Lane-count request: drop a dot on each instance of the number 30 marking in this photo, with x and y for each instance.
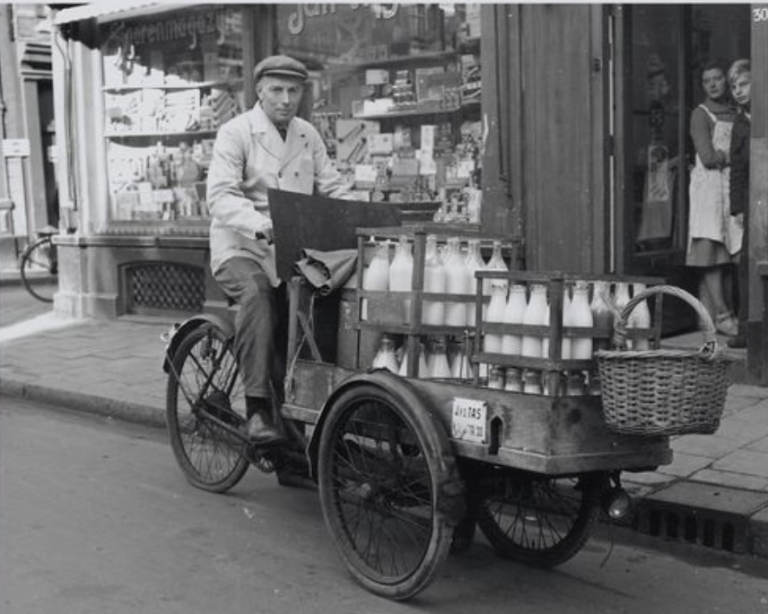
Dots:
(760, 14)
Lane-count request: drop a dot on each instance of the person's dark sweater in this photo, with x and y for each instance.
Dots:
(739, 155)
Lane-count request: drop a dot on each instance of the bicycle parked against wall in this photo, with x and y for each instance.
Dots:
(40, 265)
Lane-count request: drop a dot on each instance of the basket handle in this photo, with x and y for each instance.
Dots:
(708, 349)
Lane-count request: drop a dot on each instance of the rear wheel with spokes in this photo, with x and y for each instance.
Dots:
(539, 520)
(379, 478)
(205, 404)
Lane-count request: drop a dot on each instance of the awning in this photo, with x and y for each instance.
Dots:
(109, 10)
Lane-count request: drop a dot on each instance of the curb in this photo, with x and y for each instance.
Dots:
(723, 520)
(88, 403)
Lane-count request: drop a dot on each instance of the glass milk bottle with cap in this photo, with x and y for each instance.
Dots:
(376, 276)
(620, 301)
(457, 281)
(580, 316)
(514, 313)
(565, 346)
(474, 263)
(385, 358)
(460, 363)
(401, 274)
(492, 341)
(496, 263)
(534, 316)
(422, 371)
(640, 318)
(437, 365)
(602, 315)
(433, 312)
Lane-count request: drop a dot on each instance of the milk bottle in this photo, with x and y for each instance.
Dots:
(376, 276)
(580, 315)
(620, 301)
(602, 315)
(401, 274)
(640, 318)
(437, 366)
(514, 312)
(535, 313)
(422, 370)
(496, 263)
(474, 263)
(433, 312)
(565, 346)
(457, 281)
(385, 358)
(492, 341)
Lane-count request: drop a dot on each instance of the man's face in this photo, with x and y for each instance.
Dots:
(280, 98)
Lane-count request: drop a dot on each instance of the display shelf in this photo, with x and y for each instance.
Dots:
(417, 112)
(173, 86)
(159, 133)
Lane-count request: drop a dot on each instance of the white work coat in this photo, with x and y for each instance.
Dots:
(249, 158)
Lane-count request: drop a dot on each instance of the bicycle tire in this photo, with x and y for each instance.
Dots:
(205, 380)
(378, 482)
(540, 520)
(39, 269)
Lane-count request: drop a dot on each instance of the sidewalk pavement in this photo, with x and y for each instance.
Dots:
(714, 494)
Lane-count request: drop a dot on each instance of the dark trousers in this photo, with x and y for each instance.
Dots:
(260, 326)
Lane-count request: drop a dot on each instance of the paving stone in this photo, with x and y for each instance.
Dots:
(734, 480)
(761, 445)
(741, 432)
(647, 477)
(711, 446)
(713, 497)
(749, 462)
(683, 465)
(744, 390)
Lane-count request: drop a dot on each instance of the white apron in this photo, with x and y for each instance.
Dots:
(710, 211)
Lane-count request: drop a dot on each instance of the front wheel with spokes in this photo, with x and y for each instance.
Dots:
(537, 519)
(379, 481)
(205, 406)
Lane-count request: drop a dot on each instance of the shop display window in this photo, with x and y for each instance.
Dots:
(169, 82)
(396, 94)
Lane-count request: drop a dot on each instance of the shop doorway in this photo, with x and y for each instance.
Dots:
(658, 52)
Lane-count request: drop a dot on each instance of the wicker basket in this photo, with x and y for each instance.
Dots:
(663, 391)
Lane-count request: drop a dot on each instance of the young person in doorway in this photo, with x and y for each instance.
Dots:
(740, 82)
(713, 235)
(265, 147)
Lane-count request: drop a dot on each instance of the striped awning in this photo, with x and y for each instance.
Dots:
(109, 10)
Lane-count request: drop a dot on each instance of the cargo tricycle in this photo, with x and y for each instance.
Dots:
(408, 465)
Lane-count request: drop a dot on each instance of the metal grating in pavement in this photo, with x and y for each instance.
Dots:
(164, 286)
(708, 528)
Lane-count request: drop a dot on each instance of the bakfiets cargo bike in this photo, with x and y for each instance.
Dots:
(408, 464)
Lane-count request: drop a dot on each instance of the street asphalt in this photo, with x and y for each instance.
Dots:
(713, 495)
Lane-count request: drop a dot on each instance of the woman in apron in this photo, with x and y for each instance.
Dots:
(714, 237)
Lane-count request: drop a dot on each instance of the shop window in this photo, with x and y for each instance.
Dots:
(169, 82)
(395, 92)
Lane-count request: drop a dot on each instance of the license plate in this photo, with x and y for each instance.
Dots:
(468, 420)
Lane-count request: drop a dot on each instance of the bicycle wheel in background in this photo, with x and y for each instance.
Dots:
(39, 269)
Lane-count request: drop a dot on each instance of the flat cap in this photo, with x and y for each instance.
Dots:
(280, 66)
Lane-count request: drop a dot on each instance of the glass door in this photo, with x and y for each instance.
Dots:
(658, 54)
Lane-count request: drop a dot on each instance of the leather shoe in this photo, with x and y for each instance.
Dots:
(737, 342)
(260, 432)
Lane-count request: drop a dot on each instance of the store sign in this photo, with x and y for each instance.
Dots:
(298, 19)
(15, 148)
(178, 27)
